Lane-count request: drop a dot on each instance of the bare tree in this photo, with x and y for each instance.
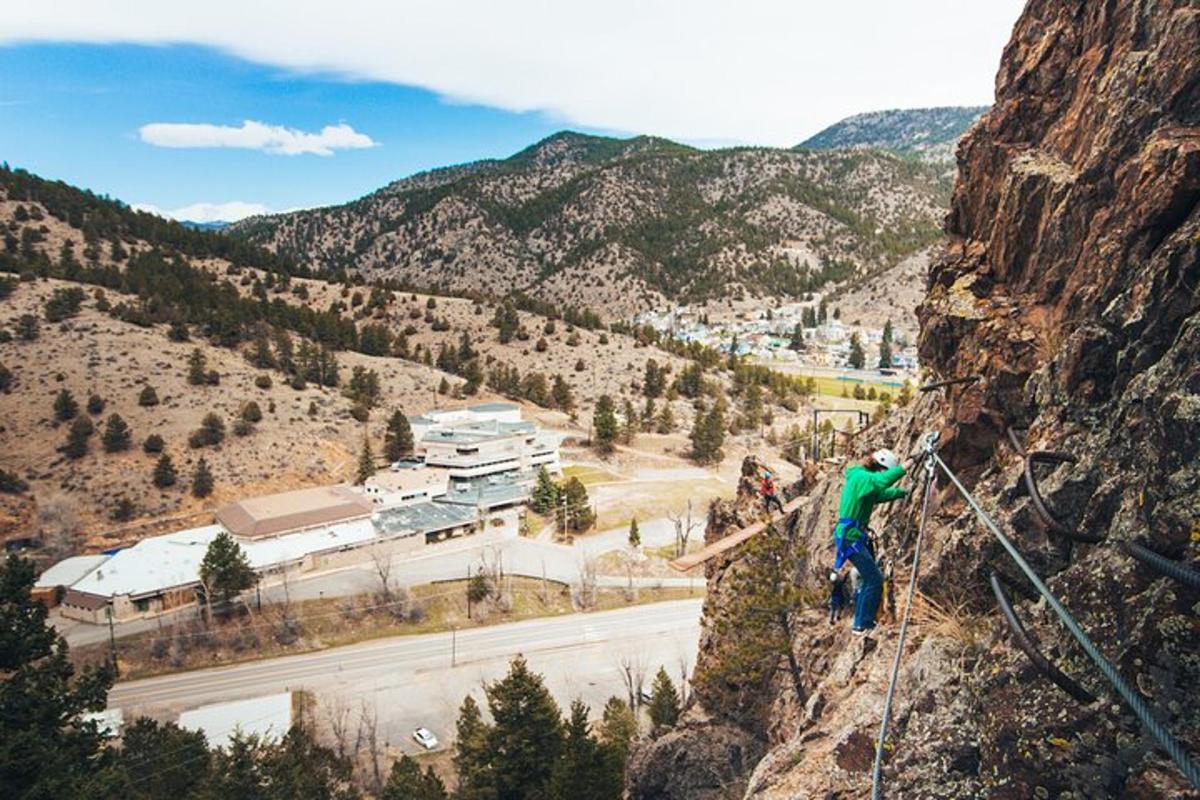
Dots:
(337, 714)
(58, 526)
(584, 592)
(684, 527)
(368, 725)
(633, 674)
(381, 560)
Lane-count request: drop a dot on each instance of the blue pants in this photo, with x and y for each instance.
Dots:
(870, 589)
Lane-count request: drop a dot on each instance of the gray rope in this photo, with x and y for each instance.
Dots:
(877, 775)
(1144, 712)
(1172, 569)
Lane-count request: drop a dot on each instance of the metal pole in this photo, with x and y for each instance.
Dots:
(112, 640)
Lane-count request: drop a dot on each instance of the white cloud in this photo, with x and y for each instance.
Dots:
(253, 135)
(208, 212)
(762, 71)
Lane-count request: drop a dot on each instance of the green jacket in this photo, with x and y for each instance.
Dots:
(864, 490)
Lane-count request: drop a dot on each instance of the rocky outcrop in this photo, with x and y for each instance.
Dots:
(1070, 285)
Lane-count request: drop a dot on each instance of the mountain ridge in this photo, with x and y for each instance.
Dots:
(927, 134)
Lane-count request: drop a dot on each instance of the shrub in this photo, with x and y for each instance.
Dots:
(178, 332)
(77, 438)
(148, 397)
(263, 381)
(10, 483)
(123, 510)
(210, 433)
(153, 444)
(251, 412)
(299, 384)
(64, 303)
(28, 327)
(243, 427)
(95, 403)
(212, 378)
(360, 412)
(6, 379)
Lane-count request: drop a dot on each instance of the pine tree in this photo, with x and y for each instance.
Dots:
(797, 342)
(857, 357)
(366, 462)
(398, 437)
(116, 436)
(148, 397)
(618, 727)
(577, 513)
(472, 756)
(153, 444)
(752, 407)
(164, 472)
(666, 420)
(544, 498)
(225, 571)
(95, 404)
(587, 769)
(65, 406)
(78, 434)
(40, 694)
(664, 702)
(635, 536)
(604, 423)
(630, 428)
(197, 372)
(407, 782)
(260, 349)
(708, 434)
(202, 480)
(756, 632)
(564, 400)
(526, 739)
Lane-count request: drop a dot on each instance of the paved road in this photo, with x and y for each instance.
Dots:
(408, 680)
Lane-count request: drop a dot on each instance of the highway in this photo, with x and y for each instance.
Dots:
(409, 680)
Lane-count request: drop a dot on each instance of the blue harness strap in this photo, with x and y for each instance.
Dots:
(844, 550)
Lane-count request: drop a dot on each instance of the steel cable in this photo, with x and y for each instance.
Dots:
(1140, 707)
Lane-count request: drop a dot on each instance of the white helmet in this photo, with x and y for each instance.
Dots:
(885, 458)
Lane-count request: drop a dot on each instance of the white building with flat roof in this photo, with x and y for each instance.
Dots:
(484, 440)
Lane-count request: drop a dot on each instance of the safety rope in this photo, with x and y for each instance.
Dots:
(1140, 707)
(877, 774)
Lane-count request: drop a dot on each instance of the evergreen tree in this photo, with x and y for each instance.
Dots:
(148, 397)
(197, 368)
(604, 423)
(664, 702)
(116, 436)
(44, 752)
(178, 332)
(654, 380)
(544, 498)
(752, 407)
(95, 404)
(526, 738)
(708, 434)
(472, 757)
(587, 770)
(78, 434)
(210, 433)
(202, 480)
(366, 462)
(285, 354)
(145, 741)
(857, 357)
(6, 379)
(577, 513)
(407, 782)
(885, 354)
(164, 472)
(153, 444)
(635, 536)
(755, 633)
(666, 420)
(225, 571)
(630, 428)
(618, 727)
(260, 348)
(797, 342)
(564, 399)
(65, 406)
(398, 437)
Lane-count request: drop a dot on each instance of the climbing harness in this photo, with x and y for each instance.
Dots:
(928, 443)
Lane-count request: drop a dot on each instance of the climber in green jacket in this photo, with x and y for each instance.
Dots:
(867, 484)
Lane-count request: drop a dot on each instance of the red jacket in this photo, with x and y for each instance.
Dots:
(767, 487)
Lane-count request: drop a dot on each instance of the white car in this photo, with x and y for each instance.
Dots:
(425, 738)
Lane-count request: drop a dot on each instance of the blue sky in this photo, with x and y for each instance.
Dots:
(237, 102)
(74, 111)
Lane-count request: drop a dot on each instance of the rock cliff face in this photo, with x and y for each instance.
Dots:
(1070, 284)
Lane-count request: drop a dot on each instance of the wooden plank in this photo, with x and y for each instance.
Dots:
(725, 543)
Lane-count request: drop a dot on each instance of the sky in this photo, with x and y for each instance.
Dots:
(224, 109)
